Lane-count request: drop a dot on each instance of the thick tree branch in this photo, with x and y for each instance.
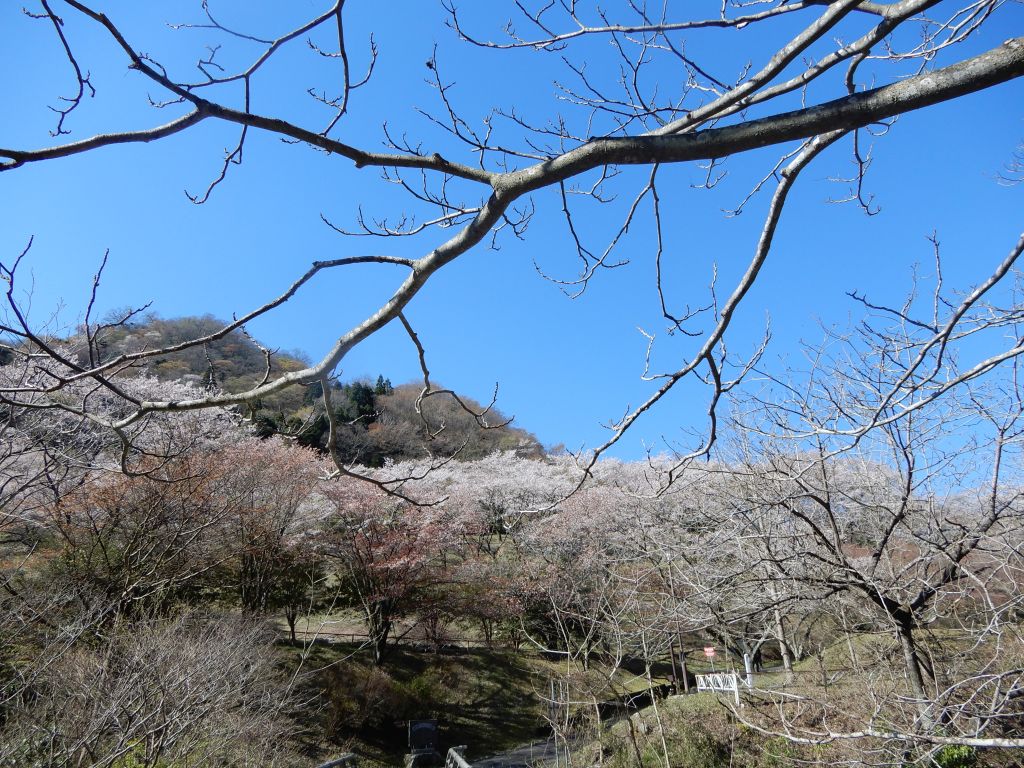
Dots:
(993, 67)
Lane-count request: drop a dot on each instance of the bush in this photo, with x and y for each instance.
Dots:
(956, 756)
(361, 698)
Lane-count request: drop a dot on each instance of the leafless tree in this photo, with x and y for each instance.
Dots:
(892, 482)
(192, 689)
(653, 106)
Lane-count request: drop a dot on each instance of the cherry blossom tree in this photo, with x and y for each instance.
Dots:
(95, 558)
(141, 542)
(270, 485)
(388, 555)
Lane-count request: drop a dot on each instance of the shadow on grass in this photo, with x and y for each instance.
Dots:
(485, 699)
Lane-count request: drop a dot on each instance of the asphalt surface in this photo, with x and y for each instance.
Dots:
(539, 752)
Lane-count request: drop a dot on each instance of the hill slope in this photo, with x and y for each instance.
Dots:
(379, 421)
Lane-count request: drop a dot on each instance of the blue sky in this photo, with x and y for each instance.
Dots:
(564, 366)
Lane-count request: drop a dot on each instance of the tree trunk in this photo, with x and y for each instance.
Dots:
(914, 675)
(378, 624)
(780, 635)
(291, 616)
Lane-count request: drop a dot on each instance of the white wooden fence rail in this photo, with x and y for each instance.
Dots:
(722, 682)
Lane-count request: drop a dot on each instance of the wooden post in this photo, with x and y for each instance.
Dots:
(682, 665)
(672, 656)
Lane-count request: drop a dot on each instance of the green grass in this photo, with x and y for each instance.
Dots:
(699, 733)
(490, 700)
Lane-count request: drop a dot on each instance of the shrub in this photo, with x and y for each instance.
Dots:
(956, 756)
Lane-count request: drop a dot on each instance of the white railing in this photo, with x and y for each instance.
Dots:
(348, 760)
(722, 682)
(455, 759)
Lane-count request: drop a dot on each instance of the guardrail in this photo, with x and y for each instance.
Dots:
(348, 760)
(454, 758)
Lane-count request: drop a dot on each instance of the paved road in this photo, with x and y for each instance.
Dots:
(540, 752)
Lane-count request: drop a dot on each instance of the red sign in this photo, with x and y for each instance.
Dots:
(709, 651)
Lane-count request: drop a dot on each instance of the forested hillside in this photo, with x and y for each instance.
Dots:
(376, 420)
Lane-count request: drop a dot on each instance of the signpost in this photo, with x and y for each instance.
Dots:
(709, 651)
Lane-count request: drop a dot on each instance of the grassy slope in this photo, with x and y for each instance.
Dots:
(701, 732)
(489, 700)
(486, 699)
